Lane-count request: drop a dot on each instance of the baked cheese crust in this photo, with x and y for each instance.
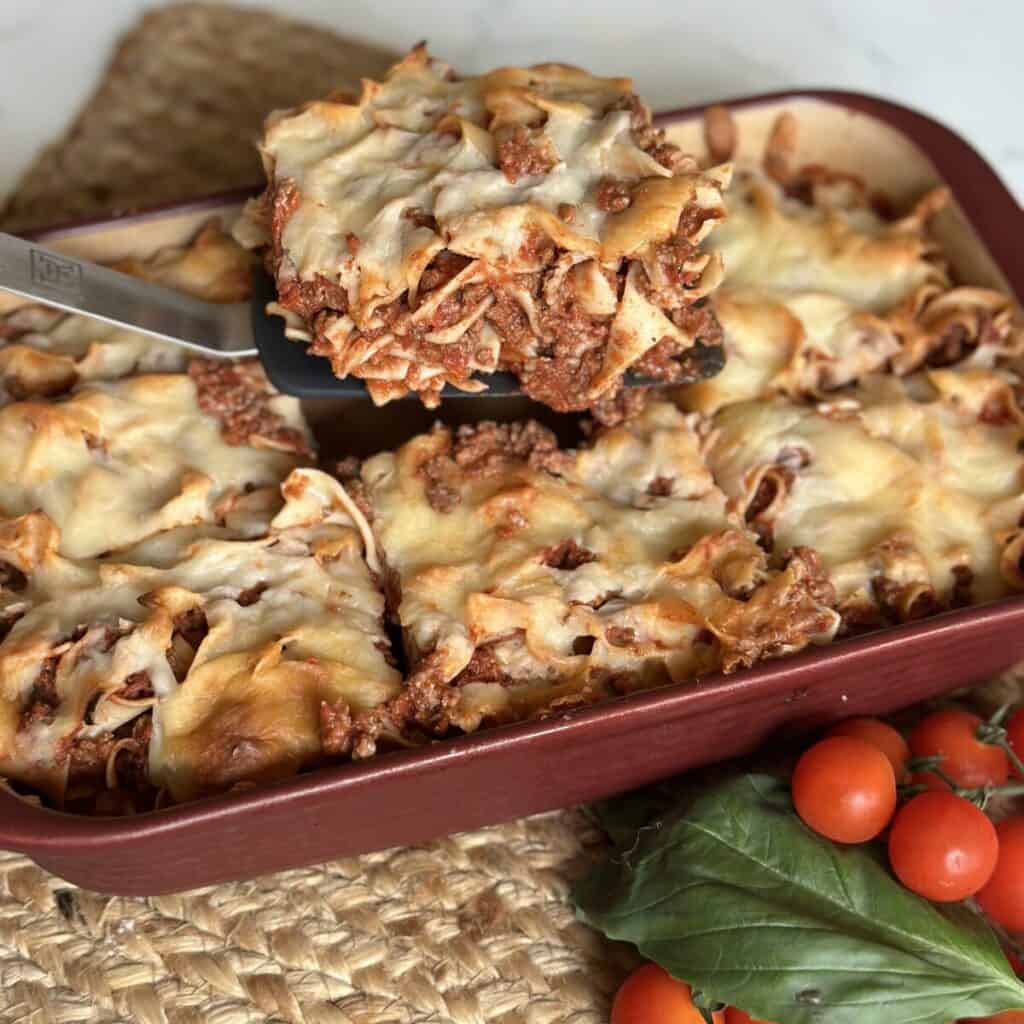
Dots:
(911, 491)
(532, 579)
(820, 288)
(117, 461)
(234, 646)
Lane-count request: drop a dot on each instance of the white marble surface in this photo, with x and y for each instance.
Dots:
(958, 60)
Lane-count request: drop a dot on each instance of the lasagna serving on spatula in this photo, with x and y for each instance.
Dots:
(437, 228)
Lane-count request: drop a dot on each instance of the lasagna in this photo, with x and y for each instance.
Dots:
(529, 579)
(219, 661)
(822, 287)
(436, 227)
(910, 491)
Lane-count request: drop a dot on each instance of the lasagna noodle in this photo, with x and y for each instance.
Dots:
(45, 352)
(235, 645)
(532, 579)
(527, 219)
(909, 494)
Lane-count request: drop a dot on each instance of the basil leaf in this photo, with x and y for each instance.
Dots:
(737, 897)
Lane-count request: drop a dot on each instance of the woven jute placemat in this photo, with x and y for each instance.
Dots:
(471, 929)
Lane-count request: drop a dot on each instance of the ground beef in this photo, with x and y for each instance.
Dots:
(522, 151)
(618, 406)
(251, 594)
(613, 195)
(440, 486)
(645, 135)
(337, 733)
(537, 248)
(568, 555)
(483, 667)
(306, 298)
(133, 760)
(670, 156)
(190, 629)
(43, 699)
(562, 380)
(423, 708)
(484, 448)
(86, 757)
(137, 686)
(444, 266)
(348, 473)
(192, 626)
(239, 398)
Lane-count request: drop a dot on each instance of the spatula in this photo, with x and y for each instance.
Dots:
(228, 331)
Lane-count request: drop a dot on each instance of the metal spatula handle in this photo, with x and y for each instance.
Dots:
(32, 271)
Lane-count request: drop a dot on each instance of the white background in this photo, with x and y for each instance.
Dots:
(959, 60)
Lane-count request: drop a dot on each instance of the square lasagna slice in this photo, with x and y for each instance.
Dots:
(821, 287)
(529, 219)
(528, 578)
(909, 490)
(117, 461)
(231, 662)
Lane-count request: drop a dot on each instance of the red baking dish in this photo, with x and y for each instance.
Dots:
(414, 795)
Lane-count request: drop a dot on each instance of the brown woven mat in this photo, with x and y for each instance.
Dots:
(471, 929)
(179, 109)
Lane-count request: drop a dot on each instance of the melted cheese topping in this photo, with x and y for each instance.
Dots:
(119, 461)
(582, 584)
(244, 704)
(905, 492)
(370, 192)
(788, 246)
(46, 352)
(817, 295)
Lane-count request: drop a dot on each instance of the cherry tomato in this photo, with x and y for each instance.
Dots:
(1003, 896)
(1015, 733)
(650, 995)
(878, 734)
(951, 735)
(844, 788)
(734, 1015)
(942, 847)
